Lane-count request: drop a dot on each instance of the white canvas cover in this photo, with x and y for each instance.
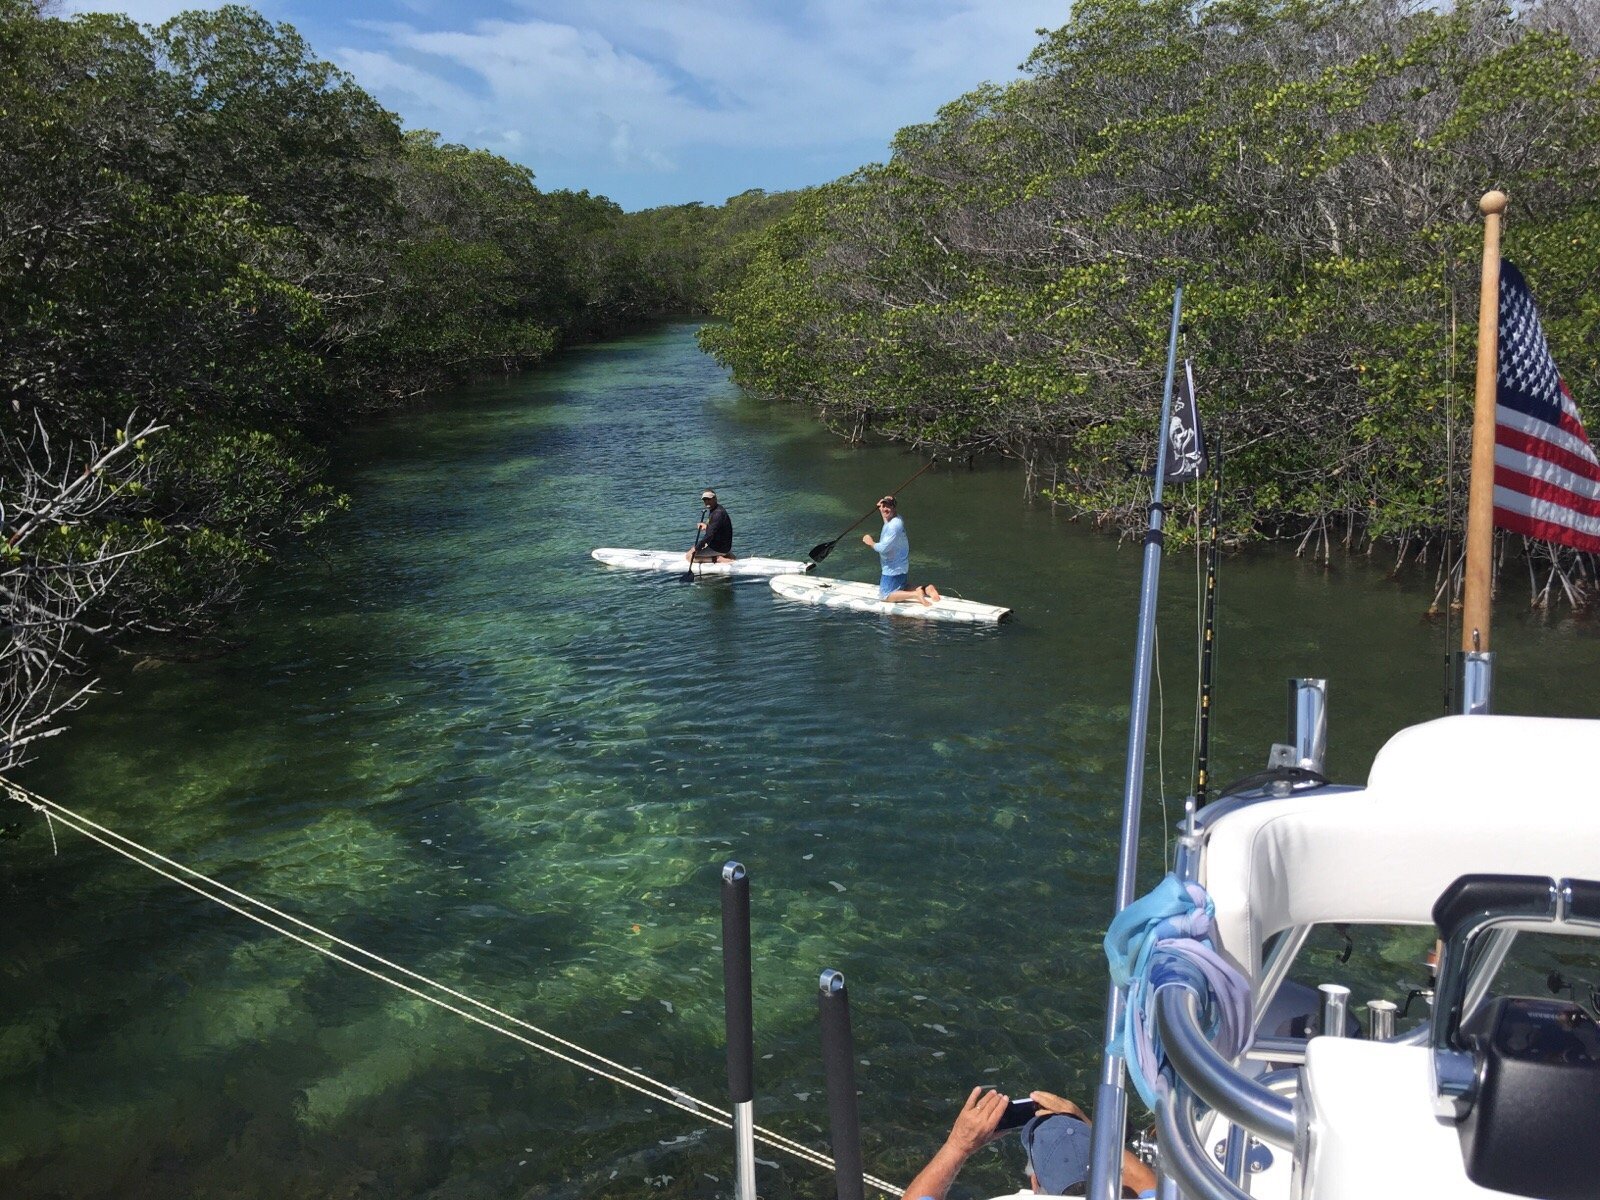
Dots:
(1511, 795)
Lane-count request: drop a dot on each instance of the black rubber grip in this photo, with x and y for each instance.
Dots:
(838, 1057)
(1585, 899)
(737, 1005)
(1473, 895)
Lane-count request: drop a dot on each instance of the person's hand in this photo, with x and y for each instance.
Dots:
(975, 1124)
(701, 526)
(866, 540)
(1049, 1102)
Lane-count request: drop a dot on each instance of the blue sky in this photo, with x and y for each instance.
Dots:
(664, 101)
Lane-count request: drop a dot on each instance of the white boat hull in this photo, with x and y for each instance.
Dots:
(673, 560)
(863, 597)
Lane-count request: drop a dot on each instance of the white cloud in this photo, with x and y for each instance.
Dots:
(649, 80)
(625, 155)
(742, 89)
(411, 90)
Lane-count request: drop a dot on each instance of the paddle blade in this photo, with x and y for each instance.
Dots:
(820, 551)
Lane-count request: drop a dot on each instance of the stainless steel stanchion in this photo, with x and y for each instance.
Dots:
(739, 1011)
(839, 1058)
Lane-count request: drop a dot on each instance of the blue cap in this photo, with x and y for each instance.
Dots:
(1058, 1151)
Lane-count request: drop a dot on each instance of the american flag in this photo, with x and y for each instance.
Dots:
(1546, 478)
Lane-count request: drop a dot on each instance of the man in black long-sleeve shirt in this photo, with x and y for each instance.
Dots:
(715, 543)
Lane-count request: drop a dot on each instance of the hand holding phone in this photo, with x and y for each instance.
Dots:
(1016, 1114)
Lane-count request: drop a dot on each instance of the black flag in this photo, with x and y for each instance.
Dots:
(1186, 446)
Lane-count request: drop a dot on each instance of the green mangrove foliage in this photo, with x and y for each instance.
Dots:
(1310, 168)
(215, 249)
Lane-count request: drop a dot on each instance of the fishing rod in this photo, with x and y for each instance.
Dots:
(1111, 1097)
(822, 549)
(1208, 640)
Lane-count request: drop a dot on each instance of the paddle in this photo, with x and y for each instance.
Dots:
(822, 549)
(688, 576)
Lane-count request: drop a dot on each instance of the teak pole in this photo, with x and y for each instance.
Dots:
(1478, 573)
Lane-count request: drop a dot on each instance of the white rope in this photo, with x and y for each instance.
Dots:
(597, 1064)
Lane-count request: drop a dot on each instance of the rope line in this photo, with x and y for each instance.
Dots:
(596, 1064)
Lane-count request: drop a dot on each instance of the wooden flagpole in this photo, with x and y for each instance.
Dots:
(1479, 571)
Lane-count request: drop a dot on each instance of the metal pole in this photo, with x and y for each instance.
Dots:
(1380, 1019)
(1475, 685)
(739, 1011)
(1111, 1099)
(1335, 1004)
(1308, 722)
(839, 1059)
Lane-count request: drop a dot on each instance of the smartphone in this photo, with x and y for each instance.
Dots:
(1016, 1114)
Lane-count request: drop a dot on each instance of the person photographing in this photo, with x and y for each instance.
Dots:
(1055, 1139)
(894, 552)
(715, 543)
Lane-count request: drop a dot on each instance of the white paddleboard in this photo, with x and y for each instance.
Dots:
(863, 597)
(673, 560)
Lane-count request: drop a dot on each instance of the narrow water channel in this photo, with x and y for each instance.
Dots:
(451, 737)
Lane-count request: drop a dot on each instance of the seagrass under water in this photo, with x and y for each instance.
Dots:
(453, 738)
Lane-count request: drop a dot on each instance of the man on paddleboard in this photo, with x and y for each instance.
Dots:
(895, 551)
(716, 533)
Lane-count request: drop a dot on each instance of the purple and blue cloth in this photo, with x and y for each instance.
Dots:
(1162, 938)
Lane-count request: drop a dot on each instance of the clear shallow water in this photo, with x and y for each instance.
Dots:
(451, 737)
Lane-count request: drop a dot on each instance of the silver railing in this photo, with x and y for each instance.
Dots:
(1213, 1078)
(1249, 1105)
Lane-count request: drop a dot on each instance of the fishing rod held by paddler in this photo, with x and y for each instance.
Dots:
(822, 549)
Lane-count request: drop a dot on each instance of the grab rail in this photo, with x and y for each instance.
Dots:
(1182, 1156)
(1212, 1077)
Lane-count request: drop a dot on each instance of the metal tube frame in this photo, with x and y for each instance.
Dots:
(1274, 971)
(1183, 1158)
(1213, 1078)
(744, 1135)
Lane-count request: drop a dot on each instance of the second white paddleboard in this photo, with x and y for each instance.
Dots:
(863, 597)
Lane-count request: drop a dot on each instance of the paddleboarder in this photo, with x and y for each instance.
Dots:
(715, 543)
(894, 549)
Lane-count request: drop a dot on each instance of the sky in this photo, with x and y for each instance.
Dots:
(663, 101)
